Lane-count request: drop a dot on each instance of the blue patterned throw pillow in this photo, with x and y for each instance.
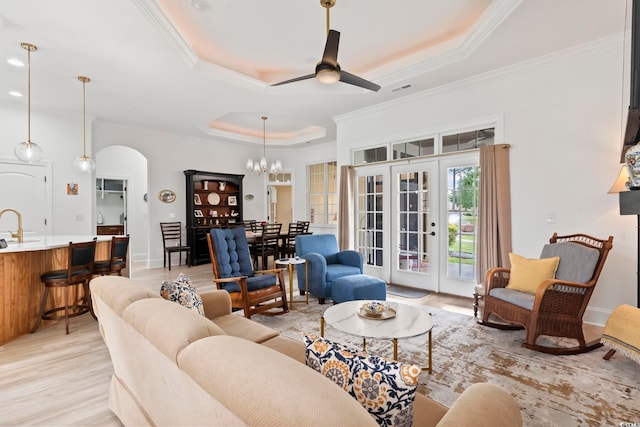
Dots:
(386, 389)
(181, 291)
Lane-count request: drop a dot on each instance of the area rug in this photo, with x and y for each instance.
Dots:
(406, 292)
(580, 390)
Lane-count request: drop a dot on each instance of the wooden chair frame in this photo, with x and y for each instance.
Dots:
(172, 231)
(557, 310)
(117, 260)
(252, 302)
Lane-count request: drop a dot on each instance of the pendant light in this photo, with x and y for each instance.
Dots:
(28, 151)
(84, 163)
(261, 166)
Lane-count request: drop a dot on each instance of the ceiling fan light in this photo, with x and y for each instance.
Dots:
(28, 152)
(327, 76)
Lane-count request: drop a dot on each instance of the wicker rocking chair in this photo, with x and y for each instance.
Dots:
(557, 307)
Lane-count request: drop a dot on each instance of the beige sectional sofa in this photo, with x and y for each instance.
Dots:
(173, 366)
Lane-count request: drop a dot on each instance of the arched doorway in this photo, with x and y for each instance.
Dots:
(118, 162)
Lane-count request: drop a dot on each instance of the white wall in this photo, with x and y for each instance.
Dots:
(168, 155)
(562, 117)
(119, 162)
(60, 137)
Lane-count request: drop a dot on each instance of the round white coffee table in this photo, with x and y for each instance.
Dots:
(408, 322)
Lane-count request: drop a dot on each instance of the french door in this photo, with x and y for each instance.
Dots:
(414, 225)
(417, 222)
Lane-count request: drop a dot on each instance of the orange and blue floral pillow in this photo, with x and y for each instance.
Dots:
(181, 291)
(386, 389)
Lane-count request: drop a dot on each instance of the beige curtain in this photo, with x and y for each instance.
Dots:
(346, 208)
(494, 209)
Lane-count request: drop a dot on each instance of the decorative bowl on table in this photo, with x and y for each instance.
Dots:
(376, 310)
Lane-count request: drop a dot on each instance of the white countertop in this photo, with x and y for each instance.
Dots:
(39, 243)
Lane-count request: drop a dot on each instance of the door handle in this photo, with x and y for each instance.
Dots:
(433, 233)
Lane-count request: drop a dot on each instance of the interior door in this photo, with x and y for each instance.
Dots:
(24, 187)
(415, 237)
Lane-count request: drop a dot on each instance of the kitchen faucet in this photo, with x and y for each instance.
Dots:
(18, 234)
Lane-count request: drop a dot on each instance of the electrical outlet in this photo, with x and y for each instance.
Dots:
(551, 218)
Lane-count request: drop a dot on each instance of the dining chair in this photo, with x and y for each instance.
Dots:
(172, 242)
(267, 245)
(288, 242)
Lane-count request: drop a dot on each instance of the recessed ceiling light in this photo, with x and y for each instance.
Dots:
(200, 5)
(15, 93)
(15, 62)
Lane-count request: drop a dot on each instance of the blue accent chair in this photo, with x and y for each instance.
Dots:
(252, 291)
(326, 263)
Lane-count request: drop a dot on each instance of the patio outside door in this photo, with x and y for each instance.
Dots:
(415, 225)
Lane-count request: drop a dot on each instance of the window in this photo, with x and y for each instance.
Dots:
(403, 150)
(323, 193)
(370, 155)
(467, 140)
(462, 194)
(370, 219)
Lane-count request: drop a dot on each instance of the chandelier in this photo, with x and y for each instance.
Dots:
(259, 167)
(28, 151)
(84, 163)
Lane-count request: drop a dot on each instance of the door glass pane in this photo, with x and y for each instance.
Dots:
(370, 219)
(413, 221)
(462, 195)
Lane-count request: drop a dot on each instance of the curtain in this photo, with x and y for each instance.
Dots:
(346, 208)
(494, 210)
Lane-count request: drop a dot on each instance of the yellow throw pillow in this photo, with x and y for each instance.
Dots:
(527, 274)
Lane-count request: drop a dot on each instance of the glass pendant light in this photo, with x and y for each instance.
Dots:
(28, 151)
(84, 163)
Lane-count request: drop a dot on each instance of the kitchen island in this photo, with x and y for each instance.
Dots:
(21, 265)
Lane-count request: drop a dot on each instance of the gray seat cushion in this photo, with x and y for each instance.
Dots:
(577, 262)
(521, 299)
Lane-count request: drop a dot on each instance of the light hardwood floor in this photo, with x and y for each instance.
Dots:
(49, 378)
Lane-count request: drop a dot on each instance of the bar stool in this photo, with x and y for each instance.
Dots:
(118, 259)
(79, 271)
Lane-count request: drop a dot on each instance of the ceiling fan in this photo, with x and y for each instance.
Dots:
(328, 70)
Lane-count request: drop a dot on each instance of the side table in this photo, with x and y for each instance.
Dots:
(290, 262)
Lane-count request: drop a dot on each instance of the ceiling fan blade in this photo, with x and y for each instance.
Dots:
(297, 79)
(358, 81)
(330, 55)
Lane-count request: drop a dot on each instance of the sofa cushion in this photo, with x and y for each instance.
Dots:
(527, 274)
(119, 291)
(577, 262)
(183, 293)
(156, 319)
(266, 388)
(241, 327)
(386, 389)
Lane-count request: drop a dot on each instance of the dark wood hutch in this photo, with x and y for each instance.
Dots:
(213, 200)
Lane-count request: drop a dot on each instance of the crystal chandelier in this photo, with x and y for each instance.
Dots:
(84, 163)
(28, 151)
(260, 167)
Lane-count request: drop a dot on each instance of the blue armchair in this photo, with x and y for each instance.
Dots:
(325, 262)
